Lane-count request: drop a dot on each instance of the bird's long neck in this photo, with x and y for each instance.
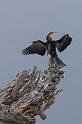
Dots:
(49, 42)
(49, 38)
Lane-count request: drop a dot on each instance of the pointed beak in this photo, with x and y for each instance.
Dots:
(54, 32)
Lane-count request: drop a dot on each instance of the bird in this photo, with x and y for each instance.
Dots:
(50, 46)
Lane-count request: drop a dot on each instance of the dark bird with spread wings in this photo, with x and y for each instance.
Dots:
(39, 47)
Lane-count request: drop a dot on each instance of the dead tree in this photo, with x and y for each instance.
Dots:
(30, 94)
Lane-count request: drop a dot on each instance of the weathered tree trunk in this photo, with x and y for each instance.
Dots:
(30, 94)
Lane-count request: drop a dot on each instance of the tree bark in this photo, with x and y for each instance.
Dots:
(30, 94)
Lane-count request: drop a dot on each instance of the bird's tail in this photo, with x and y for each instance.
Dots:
(58, 61)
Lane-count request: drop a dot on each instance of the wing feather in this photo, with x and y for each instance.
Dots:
(63, 43)
(38, 47)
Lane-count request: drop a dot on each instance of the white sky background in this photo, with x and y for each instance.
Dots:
(23, 21)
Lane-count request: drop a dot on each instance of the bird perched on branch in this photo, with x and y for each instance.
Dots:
(39, 47)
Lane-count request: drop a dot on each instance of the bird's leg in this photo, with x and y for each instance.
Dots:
(47, 52)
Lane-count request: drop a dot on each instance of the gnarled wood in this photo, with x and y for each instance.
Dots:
(30, 94)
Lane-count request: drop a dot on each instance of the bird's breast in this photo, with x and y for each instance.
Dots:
(51, 49)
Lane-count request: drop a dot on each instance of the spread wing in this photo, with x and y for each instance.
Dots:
(38, 47)
(63, 43)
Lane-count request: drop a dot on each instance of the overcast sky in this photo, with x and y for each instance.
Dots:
(21, 22)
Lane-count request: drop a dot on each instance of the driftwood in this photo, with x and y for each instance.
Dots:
(30, 94)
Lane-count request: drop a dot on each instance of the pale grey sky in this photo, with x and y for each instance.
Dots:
(23, 21)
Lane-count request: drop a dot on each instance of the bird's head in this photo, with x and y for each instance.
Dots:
(49, 36)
